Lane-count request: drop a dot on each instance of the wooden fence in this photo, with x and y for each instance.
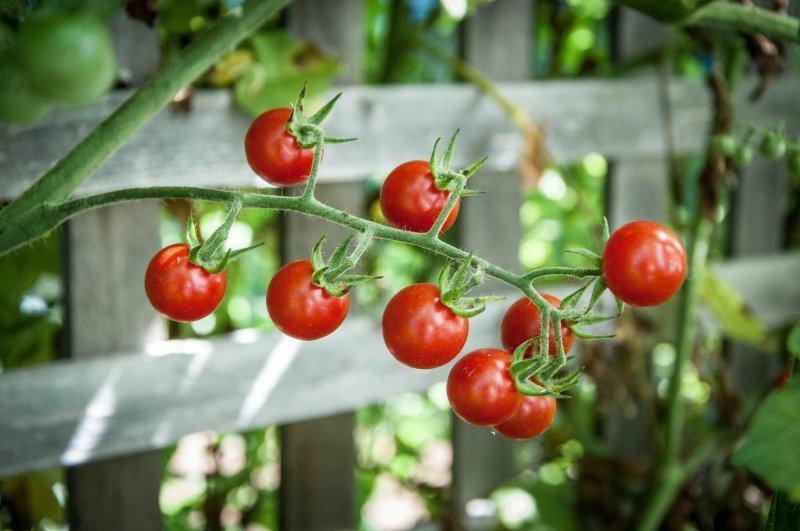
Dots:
(126, 393)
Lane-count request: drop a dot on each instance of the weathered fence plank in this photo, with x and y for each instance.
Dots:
(204, 147)
(481, 460)
(318, 456)
(105, 313)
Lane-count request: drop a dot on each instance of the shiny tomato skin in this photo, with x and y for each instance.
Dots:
(480, 388)
(410, 200)
(420, 331)
(180, 289)
(523, 321)
(301, 309)
(273, 153)
(534, 416)
(644, 263)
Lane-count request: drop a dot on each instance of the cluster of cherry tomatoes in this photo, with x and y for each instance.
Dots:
(643, 264)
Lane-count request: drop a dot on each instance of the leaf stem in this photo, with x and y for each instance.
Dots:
(669, 473)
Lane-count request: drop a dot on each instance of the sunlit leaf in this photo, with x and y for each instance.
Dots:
(769, 449)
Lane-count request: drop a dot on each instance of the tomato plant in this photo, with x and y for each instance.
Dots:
(534, 416)
(644, 263)
(180, 289)
(410, 199)
(67, 57)
(523, 321)
(300, 308)
(420, 331)
(480, 388)
(273, 153)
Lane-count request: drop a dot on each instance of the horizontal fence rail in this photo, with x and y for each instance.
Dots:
(205, 147)
(71, 412)
(618, 118)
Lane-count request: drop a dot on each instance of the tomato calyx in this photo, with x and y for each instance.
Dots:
(308, 130)
(334, 276)
(535, 375)
(211, 255)
(445, 178)
(455, 282)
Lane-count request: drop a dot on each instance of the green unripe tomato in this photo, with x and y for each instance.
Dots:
(67, 58)
(18, 103)
(773, 145)
(725, 144)
(743, 156)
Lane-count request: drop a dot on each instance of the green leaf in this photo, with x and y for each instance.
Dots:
(793, 341)
(282, 64)
(732, 312)
(769, 448)
(783, 513)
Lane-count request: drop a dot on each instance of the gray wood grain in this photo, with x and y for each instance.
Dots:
(147, 398)
(107, 311)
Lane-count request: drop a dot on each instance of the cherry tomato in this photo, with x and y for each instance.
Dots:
(534, 416)
(18, 104)
(523, 321)
(273, 153)
(644, 263)
(180, 289)
(67, 57)
(301, 309)
(410, 200)
(420, 331)
(480, 388)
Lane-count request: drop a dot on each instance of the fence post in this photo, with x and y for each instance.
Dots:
(318, 456)
(105, 253)
(498, 42)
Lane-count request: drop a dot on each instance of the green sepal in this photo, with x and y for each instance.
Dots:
(454, 283)
(606, 234)
(317, 262)
(444, 177)
(592, 319)
(211, 255)
(466, 192)
(594, 258)
(571, 301)
(333, 276)
(586, 335)
(597, 292)
(308, 131)
(191, 233)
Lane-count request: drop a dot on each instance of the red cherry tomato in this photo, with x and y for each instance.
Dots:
(180, 289)
(301, 309)
(533, 417)
(273, 153)
(480, 388)
(420, 331)
(644, 263)
(523, 321)
(410, 200)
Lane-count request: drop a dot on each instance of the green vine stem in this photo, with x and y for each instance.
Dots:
(58, 184)
(670, 473)
(749, 19)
